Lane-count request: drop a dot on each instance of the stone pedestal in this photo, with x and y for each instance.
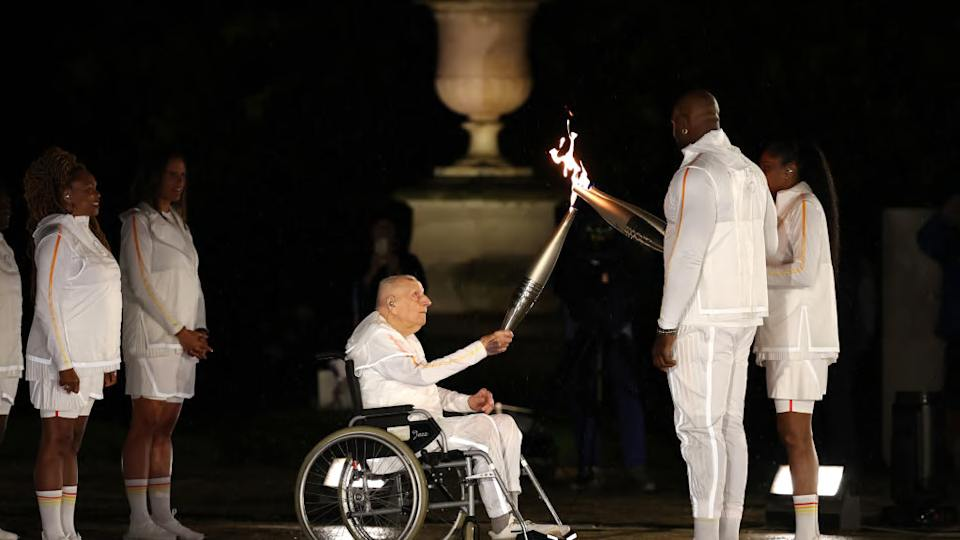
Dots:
(476, 242)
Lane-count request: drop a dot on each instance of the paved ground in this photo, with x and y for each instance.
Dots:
(239, 486)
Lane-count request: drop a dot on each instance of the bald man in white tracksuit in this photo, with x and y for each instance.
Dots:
(721, 222)
(393, 370)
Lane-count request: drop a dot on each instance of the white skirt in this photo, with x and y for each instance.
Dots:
(167, 378)
(797, 379)
(47, 394)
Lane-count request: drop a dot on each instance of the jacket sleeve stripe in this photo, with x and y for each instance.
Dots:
(683, 198)
(58, 336)
(146, 281)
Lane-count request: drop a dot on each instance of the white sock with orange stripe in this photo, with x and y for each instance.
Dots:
(50, 503)
(806, 512)
(160, 499)
(67, 507)
(137, 498)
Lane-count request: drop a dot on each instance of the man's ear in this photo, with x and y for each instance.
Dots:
(392, 301)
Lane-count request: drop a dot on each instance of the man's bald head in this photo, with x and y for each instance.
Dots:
(393, 287)
(695, 114)
(403, 303)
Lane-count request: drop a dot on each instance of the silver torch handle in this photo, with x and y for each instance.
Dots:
(536, 279)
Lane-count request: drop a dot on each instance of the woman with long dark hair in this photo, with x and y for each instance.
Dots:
(73, 350)
(164, 336)
(799, 339)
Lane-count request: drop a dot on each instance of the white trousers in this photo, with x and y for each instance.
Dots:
(498, 436)
(708, 385)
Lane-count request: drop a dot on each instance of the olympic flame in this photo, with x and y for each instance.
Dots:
(573, 168)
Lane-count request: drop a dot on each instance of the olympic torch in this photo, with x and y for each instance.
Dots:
(536, 279)
(635, 223)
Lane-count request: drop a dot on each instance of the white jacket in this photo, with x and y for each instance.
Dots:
(161, 284)
(721, 223)
(76, 318)
(803, 303)
(393, 369)
(11, 311)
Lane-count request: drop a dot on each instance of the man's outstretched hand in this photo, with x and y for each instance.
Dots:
(497, 342)
(482, 401)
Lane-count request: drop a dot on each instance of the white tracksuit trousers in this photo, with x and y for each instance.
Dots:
(708, 385)
(498, 436)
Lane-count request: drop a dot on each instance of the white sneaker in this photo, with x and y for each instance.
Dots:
(148, 530)
(513, 529)
(74, 536)
(6, 535)
(179, 530)
(43, 536)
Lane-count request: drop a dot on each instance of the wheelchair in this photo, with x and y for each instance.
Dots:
(380, 478)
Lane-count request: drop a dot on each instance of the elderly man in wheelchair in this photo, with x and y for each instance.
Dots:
(378, 477)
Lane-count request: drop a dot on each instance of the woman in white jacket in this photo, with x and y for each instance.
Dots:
(73, 350)
(799, 339)
(164, 335)
(11, 309)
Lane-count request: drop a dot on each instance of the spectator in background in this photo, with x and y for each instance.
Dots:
(389, 255)
(940, 239)
(598, 290)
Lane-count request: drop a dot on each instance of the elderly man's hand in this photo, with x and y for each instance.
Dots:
(497, 342)
(663, 352)
(482, 401)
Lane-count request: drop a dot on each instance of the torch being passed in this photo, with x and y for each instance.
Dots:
(635, 223)
(538, 275)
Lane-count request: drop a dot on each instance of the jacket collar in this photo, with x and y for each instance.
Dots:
(785, 196)
(169, 230)
(712, 141)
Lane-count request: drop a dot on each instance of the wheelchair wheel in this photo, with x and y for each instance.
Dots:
(361, 482)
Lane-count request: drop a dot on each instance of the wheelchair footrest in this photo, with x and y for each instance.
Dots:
(540, 536)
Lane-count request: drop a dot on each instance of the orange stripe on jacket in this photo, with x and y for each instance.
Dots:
(683, 198)
(146, 281)
(58, 337)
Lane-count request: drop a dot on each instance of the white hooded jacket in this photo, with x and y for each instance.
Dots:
(161, 283)
(11, 312)
(721, 224)
(76, 320)
(803, 305)
(393, 369)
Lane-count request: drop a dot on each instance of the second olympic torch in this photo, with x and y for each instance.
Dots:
(536, 279)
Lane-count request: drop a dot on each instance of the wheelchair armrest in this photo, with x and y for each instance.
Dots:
(384, 411)
(383, 416)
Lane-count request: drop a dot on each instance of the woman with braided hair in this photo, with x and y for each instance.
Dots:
(73, 349)
(164, 337)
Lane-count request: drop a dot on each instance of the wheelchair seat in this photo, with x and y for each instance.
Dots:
(418, 433)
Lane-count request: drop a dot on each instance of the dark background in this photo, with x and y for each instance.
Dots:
(297, 121)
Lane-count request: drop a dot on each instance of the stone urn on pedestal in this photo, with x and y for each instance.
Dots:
(483, 72)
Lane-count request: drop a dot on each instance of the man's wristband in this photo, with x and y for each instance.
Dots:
(665, 332)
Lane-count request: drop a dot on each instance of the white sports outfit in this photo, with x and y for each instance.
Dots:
(393, 370)
(11, 311)
(800, 338)
(721, 224)
(161, 296)
(77, 314)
